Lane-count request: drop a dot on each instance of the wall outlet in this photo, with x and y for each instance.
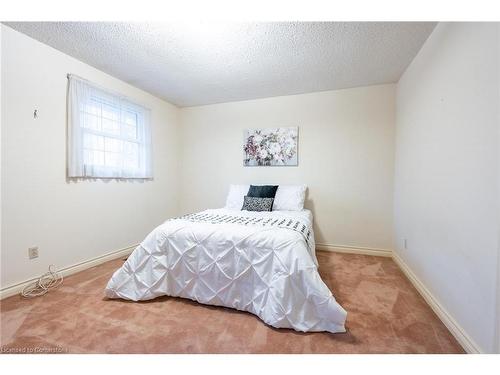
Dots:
(33, 252)
(405, 244)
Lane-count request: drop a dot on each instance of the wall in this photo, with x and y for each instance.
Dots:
(346, 157)
(1, 127)
(498, 205)
(70, 222)
(446, 175)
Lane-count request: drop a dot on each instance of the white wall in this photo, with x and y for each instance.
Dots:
(498, 204)
(346, 157)
(446, 176)
(1, 127)
(70, 222)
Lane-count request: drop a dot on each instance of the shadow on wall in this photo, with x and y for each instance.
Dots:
(309, 204)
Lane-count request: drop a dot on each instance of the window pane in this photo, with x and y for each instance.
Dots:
(112, 159)
(113, 145)
(92, 141)
(131, 149)
(130, 162)
(110, 112)
(130, 131)
(92, 157)
(110, 127)
(130, 118)
(91, 121)
(93, 108)
(87, 157)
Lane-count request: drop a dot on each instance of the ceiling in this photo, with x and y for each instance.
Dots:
(200, 63)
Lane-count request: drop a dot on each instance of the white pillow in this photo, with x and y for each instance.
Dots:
(289, 198)
(234, 200)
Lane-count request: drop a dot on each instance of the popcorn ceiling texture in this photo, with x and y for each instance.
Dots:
(203, 63)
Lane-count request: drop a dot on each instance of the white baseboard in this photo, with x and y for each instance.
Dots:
(17, 288)
(456, 330)
(354, 250)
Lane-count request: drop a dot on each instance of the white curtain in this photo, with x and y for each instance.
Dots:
(108, 135)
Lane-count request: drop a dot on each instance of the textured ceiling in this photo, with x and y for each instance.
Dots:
(202, 63)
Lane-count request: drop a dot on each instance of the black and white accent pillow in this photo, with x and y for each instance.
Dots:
(257, 204)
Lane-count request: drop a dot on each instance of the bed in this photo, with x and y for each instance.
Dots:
(260, 262)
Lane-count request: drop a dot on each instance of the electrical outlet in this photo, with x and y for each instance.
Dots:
(33, 252)
(405, 244)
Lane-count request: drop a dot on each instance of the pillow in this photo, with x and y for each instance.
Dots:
(234, 200)
(262, 191)
(257, 204)
(290, 198)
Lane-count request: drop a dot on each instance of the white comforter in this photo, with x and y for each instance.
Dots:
(267, 270)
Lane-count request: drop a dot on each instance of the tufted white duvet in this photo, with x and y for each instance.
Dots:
(260, 262)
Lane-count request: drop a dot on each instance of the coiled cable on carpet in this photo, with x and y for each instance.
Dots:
(43, 284)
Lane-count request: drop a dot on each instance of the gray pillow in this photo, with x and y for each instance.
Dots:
(257, 204)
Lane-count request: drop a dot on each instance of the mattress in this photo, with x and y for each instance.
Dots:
(260, 262)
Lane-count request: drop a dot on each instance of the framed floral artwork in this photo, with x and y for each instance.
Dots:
(271, 147)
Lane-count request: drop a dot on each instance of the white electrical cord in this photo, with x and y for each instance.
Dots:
(47, 281)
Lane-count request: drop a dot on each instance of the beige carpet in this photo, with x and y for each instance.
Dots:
(385, 315)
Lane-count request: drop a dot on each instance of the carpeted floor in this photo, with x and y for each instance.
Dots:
(385, 315)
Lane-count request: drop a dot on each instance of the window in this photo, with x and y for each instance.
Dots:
(108, 135)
